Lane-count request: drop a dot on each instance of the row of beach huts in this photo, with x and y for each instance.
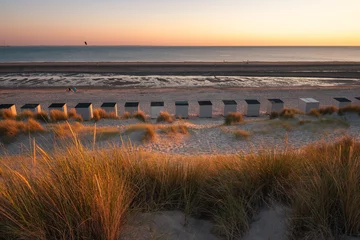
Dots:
(252, 107)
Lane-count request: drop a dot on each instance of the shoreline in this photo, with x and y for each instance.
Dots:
(329, 69)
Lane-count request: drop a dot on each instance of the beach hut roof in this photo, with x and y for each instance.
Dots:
(252, 101)
(131, 104)
(342, 99)
(30, 105)
(83, 105)
(309, 100)
(157, 104)
(181, 103)
(229, 102)
(4, 106)
(204, 103)
(108, 104)
(57, 105)
(276, 100)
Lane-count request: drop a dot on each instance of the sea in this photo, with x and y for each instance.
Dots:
(174, 54)
(168, 54)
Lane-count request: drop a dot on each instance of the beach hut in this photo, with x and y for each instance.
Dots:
(252, 108)
(357, 100)
(205, 109)
(85, 110)
(10, 107)
(275, 105)
(341, 102)
(182, 109)
(58, 106)
(306, 104)
(132, 107)
(156, 108)
(110, 107)
(229, 106)
(33, 107)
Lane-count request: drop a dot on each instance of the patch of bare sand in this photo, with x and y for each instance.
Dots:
(168, 225)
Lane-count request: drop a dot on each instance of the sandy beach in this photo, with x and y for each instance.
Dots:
(275, 69)
(207, 136)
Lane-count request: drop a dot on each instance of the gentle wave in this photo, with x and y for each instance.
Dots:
(124, 81)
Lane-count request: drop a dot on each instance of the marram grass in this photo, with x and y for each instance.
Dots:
(84, 194)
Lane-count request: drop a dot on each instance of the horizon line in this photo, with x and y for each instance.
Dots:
(129, 45)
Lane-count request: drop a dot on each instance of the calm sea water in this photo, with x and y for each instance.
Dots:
(175, 54)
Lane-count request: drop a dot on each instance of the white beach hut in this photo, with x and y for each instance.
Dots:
(306, 104)
(131, 107)
(205, 109)
(156, 108)
(110, 107)
(182, 109)
(275, 105)
(10, 107)
(85, 110)
(229, 106)
(58, 106)
(252, 108)
(341, 102)
(33, 107)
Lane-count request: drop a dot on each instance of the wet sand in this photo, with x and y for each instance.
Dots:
(275, 69)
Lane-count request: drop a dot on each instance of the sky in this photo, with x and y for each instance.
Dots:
(181, 22)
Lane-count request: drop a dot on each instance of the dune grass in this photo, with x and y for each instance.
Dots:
(349, 109)
(100, 113)
(11, 128)
(286, 113)
(318, 112)
(148, 129)
(84, 194)
(174, 129)
(233, 118)
(75, 116)
(57, 115)
(165, 117)
(241, 134)
(140, 115)
(7, 114)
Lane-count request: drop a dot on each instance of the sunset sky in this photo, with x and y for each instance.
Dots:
(181, 22)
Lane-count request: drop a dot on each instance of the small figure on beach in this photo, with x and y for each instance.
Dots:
(71, 89)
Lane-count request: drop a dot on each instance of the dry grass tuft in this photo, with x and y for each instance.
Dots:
(57, 115)
(42, 116)
(126, 115)
(174, 129)
(322, 111)
(100, 113)
(149, 130)
(274, 115)
(349, 109)
(288, 113)
(7, 114)
(140, 115)
(25, 115)
(233, 118)
(66, 129)
(73, 115)
(165, 117)
(11, 128)
(241, 134)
